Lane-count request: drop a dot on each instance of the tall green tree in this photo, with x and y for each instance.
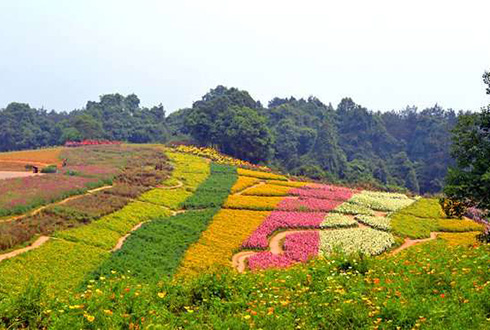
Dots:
(469, 180)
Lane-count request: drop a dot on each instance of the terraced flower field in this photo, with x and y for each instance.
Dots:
(173, 215)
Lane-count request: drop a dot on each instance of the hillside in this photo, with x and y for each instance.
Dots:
(131, 236)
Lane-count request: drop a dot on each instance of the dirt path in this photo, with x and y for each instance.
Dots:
(248, 188)
(40, 241)
(16, 174)
(411, 242)
(120, 241)
(238, 260)
(66, 200)
(178, 185)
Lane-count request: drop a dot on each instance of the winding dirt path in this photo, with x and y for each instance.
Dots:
(238, 260)
(238, 193)
(121, 240)
(37, 243)
(178, 185)
(66, 200)
(411, 242)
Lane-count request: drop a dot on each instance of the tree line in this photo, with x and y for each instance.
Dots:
(406, 149)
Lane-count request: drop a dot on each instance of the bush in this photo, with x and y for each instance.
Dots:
(453, 208)
(50, 169)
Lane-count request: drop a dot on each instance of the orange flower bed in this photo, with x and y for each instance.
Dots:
(258, 203)
(244, 182)
(225, 234)
(41, 157)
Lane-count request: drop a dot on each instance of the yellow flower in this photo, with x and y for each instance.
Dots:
(162, 294)
(89, 318)
(108, 311)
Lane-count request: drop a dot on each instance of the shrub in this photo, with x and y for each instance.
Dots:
(49, 169)
(453, 208)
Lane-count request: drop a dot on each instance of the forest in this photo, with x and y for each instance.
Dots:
(405, 149)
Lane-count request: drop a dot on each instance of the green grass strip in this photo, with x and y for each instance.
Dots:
(213, 191)
(157, 248)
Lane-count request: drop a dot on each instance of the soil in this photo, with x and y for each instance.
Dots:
(411, 242)
(15, 174)
(40, 241)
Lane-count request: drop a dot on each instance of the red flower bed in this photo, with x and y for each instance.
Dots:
(89, 143)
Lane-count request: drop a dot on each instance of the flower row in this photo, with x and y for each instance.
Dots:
(381, 223)
(217, 157)
(261, 175)
(380, 203)
(354, 240)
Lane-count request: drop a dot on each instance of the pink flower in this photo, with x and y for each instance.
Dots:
(298, 247)
(282, 220)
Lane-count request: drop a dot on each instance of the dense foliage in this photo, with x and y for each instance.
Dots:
(469, 180)
(406, 149)
(403, 149)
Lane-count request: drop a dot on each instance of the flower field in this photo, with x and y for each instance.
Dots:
(163, 244)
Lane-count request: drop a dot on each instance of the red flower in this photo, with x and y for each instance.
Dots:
(442, 295)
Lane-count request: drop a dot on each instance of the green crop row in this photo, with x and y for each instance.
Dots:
(156, 249)
(213, 191)
(105, 232)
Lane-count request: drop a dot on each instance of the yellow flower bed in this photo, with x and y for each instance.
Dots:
(261, 175)
(243, 182)
(465, 239)
(259, 203)
(225, 234)
(217, 157)
(292, 184)
(268, 190)
(189, 169)
(458, 225)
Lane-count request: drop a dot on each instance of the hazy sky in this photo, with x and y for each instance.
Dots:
(384, 54)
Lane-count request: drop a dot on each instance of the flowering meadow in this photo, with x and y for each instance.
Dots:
(164, 243)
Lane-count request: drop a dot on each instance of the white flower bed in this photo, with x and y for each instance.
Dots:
(381, 223)
(352, 240)
(380, 203)
(335, 220)
(355, 209)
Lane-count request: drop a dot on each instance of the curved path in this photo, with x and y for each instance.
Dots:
(121, 240)
(66, 200)
(411, 242)
(238, 193)
(178, 185)
(37, 243)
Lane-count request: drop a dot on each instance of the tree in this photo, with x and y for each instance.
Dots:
(326, 152)
(486, 80)
(245, 134)
(469, 180)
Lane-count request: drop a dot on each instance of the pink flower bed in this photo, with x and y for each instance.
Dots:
(323, 192)
(308, 204)
(298, 247)
(282, 220)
